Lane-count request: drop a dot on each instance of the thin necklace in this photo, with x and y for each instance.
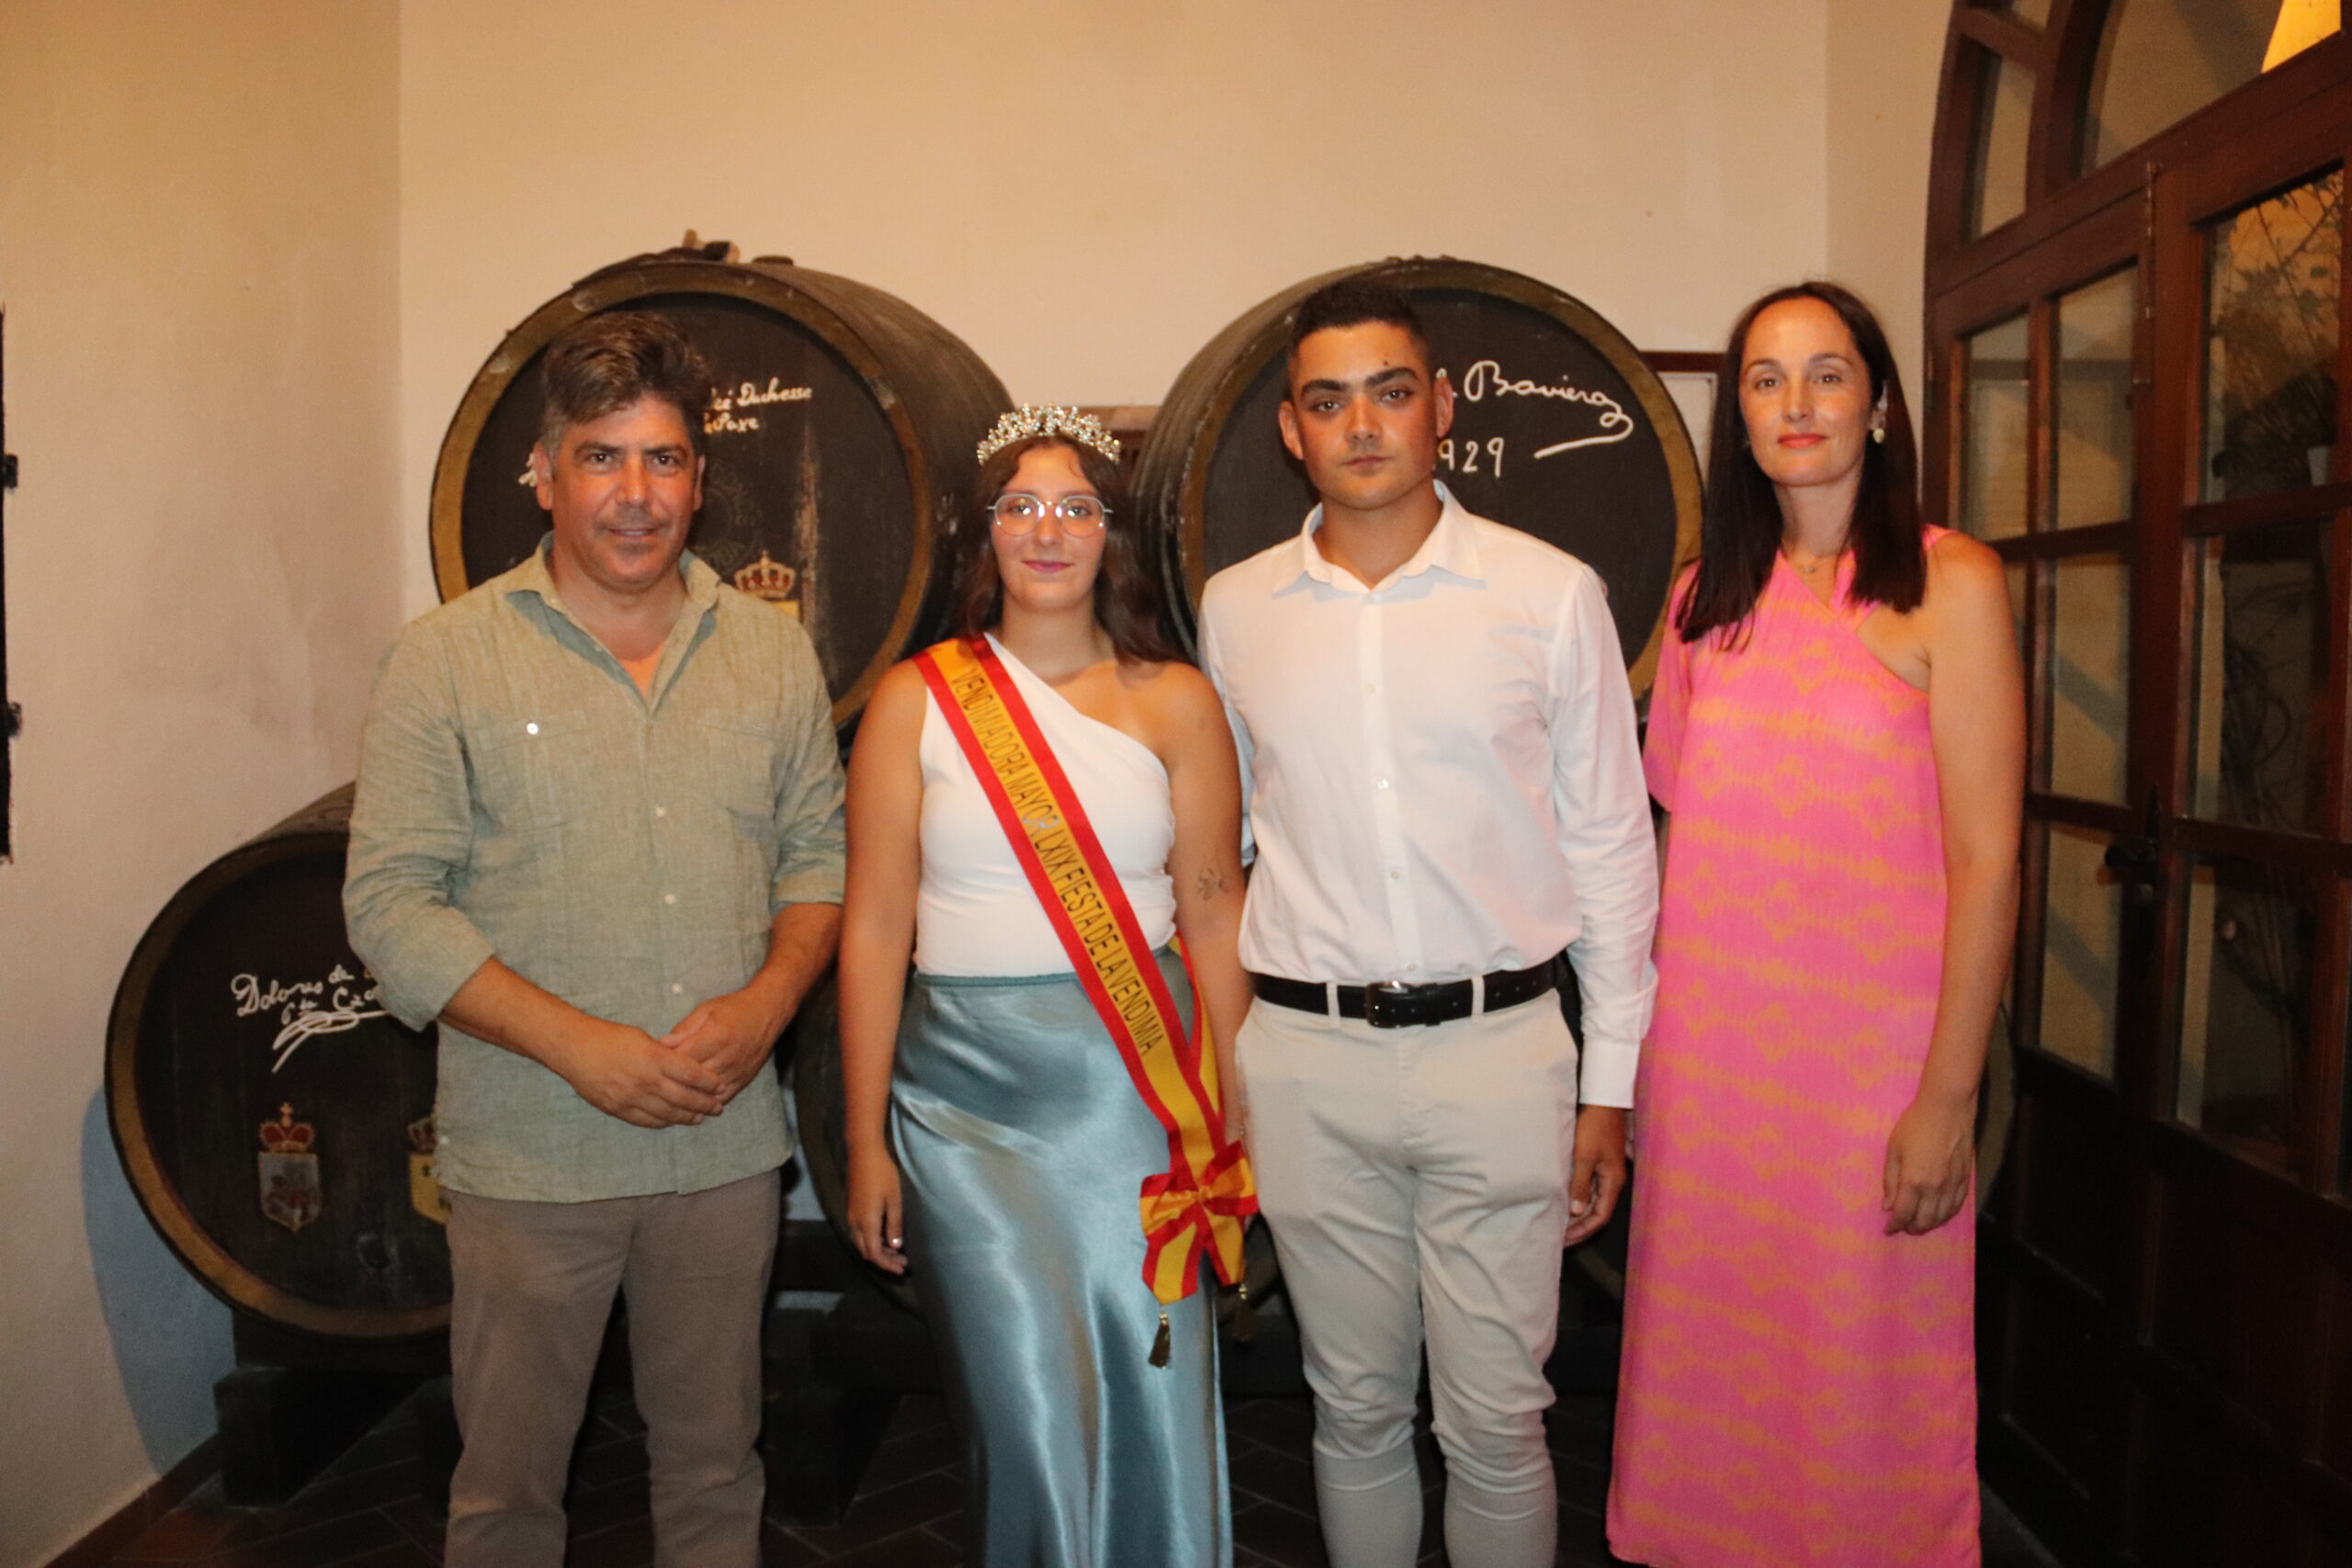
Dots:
(1807, 568)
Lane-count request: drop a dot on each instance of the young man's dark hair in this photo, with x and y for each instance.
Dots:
(1349, 302)
(610, 361)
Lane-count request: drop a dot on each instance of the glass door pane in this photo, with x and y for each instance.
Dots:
(2258, 699)
(2161, 60)
(2273, 279)
(1993, 434)
(2246, 1007)
(2091, 458)
(2090, 677)
(2081, 945)
(2003, 119)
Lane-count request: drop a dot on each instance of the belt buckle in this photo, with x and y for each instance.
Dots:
(1385, 1004)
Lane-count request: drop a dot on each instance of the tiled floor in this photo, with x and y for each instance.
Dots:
(375, 1508)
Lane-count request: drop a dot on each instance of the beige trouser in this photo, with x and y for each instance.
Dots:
(534, 1286)
(1416, 1181)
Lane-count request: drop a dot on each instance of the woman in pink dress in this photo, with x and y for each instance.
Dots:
(1838, 736)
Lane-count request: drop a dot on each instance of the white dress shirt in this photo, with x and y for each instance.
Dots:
(1441, 773)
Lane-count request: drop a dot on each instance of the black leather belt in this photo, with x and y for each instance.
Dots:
(1395, 1005)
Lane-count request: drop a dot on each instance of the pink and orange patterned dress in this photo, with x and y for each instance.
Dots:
(1798, 1388)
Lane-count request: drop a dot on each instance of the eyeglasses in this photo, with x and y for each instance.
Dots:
(1019, 512)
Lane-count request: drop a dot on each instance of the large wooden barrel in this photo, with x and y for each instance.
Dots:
(840, 442)
(1559, 429)
(275, 1121)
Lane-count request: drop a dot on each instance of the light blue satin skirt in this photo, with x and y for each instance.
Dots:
(1022, 1144)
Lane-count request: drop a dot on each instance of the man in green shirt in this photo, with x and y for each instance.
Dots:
(598, 837)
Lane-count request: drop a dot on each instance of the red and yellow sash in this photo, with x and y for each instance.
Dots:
(1206, 1193)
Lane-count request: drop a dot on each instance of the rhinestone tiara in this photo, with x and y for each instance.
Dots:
(1026, 421)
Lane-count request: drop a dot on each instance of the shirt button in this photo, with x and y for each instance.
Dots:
(660, 811)
(1382, 783)
(1412, 968)
(531, 729)
(1396, 875)
(675, 987)
(669, 897)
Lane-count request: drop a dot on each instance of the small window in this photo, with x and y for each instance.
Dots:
(2273, 319)
(2160, 61)
(1994, 432)
(1996, 164)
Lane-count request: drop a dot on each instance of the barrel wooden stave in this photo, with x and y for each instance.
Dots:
(1214, 480)
(850, 463)
(207, 1045)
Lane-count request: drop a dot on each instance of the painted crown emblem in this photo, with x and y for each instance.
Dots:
(285, 1136)
(767, 579)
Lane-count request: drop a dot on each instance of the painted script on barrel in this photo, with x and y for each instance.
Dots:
(1485, 379)
(726, 411)
(307, 1007)
(725, 415)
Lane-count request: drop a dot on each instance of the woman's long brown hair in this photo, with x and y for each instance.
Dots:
(1128, 600)
(1740, 531)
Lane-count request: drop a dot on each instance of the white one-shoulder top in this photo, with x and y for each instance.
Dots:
(975, 912)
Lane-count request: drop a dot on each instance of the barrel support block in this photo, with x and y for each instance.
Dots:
(282, 1426)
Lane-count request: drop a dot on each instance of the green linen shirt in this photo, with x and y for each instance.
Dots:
(520, 798)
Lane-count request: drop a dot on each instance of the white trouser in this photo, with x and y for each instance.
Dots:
(1415, 1181)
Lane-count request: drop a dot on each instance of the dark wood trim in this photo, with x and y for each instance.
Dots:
(2041, 179)
(2170, 1185)
(2073, 811)
(2074, 32)
(2025, 961)
(2065, 544)
(2184, 1154)
(2041, 444)
(2248, 110)
(2265, 847)
(2302, 143)
(1944, 365)
(1954, 144)
(2323, 1086)
(2310, 505)
(2002, 33)
(1683, 362)
(2048, 1277)
(2082, 1094)
(2186, 1390)
(126, 1524)
(2103, 243)
(2041, 604)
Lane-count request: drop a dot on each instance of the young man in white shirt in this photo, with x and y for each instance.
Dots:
(1445, 794)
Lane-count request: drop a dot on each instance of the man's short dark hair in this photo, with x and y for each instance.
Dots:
(1351, 303)
(610, 361)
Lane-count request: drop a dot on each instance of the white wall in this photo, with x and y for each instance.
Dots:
(199, 264)
(1885, 57)
(1087, 192)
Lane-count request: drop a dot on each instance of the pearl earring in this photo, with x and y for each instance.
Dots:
(1878, 434)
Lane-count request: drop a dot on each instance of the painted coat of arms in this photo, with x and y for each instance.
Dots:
(424, 1194)
(290, 1195)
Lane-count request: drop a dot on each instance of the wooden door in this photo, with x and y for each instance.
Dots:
(2136, 403)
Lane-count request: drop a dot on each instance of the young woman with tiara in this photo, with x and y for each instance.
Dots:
(1037, 807)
